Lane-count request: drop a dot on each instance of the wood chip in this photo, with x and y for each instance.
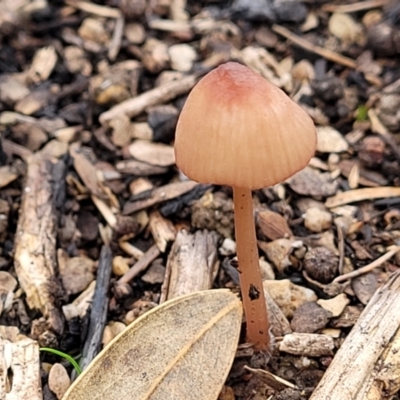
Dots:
(160, 194)
(162, 229)
(192, 264)
(139, 168)
(152, 153)
(21, 361)
(86, 171)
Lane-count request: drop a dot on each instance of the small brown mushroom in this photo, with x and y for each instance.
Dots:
(237, 129)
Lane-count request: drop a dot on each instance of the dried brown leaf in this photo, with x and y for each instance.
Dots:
(273, 225)
(182, 349)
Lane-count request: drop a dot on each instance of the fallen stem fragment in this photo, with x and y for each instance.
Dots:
(305, 44)
(151, 254)
(355, 7)
(136, 105)
(354, 196)
(367, 268)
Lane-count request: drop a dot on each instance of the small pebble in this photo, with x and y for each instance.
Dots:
(309, 318)
(288, 296)
(120, 265)
(336, 305)
(182, 57)
(317, 220)
(59, 381)
(330, 140)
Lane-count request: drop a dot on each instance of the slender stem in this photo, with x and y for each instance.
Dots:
(255, 308)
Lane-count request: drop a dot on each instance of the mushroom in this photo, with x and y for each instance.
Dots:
(237, 129)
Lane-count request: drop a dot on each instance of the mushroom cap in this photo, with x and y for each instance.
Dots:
(238, 129)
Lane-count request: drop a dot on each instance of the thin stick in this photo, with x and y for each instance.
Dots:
(91, 8)
(367, 268)
(151, 254)
(305, 44)
(355, 7)
(136, 105)
(249, 271)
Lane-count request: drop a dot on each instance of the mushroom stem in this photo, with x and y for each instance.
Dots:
(255, 308)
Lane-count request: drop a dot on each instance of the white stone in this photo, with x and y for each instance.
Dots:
(288, 296)
(335, 305)
(329, 140)
(317, 220)
(182, 57)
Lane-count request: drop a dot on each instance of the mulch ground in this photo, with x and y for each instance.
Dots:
(90, 93)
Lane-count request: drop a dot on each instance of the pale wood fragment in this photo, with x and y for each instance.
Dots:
(355, 7)
(139, 168)
(308, 345)
(151, 254)
(35, 239)
(136, 105)
(92, 8)
(192, 264)
(366, 365)
(22, 357)
(353, 196)
(162, 229)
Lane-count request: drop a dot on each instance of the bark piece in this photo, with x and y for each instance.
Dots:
(368, 349)
(98, 314)
(23, 358)
(273, 225)
(192, 264)
(35, 240)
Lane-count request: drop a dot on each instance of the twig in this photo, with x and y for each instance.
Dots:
(116, 39)
(98, 314)
(354, 196)
(367, 268)
(328, 54)
(161, 94)
(151, 254)
(355, 7)
(101, 11)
